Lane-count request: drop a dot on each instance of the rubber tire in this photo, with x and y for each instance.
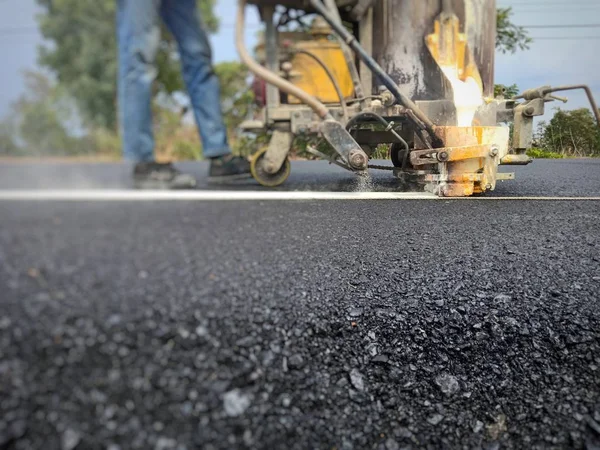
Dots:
(396, 154)
(268, 179)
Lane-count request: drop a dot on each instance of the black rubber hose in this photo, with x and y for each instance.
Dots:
(386, 80)
(370, 115)
(336, 85)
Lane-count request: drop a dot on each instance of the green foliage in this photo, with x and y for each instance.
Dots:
(82, 53)
(510, 37)
(8, 146)
(43, 122)
(38, 120)
(571, 133)
(249, 144)
(501, 90)
(541, 153)
(237, 98)
(382, 151)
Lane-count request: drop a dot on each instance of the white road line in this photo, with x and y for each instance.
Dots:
(133, 195)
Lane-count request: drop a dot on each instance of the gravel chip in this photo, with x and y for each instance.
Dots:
(296, 362)
(70, 439)
(201, 331)
(165, 443)
(236, 402)
(356, 379)
(435, 419)
(355, 312)
(391, 444)
(477, 426)
(447, 383)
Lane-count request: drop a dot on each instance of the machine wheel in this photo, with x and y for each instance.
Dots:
(397, 154)
(262, 176)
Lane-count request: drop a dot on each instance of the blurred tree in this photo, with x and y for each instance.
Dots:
(236, 97)
(8, 146)
(501, 90)
(510, 37)
(39, 121)
(82, 53)
(571, 133)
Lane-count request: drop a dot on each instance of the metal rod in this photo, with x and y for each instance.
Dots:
(360, 9)
(335, 15)
(270, 77)
(271, 53)
(588, 92)
(377, 70)
(531, 94)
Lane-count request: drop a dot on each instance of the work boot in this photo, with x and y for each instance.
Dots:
(228, 167)
(153, 175)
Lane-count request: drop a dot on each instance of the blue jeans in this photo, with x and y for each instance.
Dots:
(138, 35)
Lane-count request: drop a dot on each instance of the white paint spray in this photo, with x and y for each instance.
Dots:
(364, 183)
(468, 96)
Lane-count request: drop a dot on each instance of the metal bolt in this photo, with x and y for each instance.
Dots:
(270, 168)
(442, 156)
(494, 151)
(529, 111)
(358, 160)
(488, 187)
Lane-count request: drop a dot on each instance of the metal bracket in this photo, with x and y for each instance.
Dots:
(279, 147)
(344, 144)
(523, 124)
(448, 154)
(516, 160)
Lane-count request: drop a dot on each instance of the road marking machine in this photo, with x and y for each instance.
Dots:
(417, 75)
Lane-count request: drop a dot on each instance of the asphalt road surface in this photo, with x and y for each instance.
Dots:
(300, 324)
(572, 177)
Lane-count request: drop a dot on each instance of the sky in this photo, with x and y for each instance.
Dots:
(568, 58)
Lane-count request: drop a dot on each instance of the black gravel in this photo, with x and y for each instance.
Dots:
(384, 325)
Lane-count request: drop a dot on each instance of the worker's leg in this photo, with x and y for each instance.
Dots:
(138, 36)
(181, 17)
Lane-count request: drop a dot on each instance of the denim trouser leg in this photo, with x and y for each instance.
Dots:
(181, 17)
(138, 35)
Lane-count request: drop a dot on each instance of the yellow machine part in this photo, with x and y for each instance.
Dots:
(309, 76)
(448, 46)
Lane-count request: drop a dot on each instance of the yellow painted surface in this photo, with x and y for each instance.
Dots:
(449, 49)
(308, 75)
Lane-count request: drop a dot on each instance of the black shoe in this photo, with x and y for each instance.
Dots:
(228, 167)
(153, 175)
